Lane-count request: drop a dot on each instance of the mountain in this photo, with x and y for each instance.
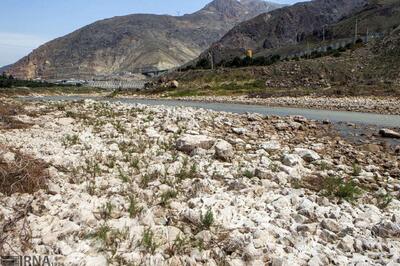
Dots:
(138, 42)
(281, 27)
(4, 68)
(379, 16)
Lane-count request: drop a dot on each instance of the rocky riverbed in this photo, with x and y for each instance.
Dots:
(141, 185)
(379, 105)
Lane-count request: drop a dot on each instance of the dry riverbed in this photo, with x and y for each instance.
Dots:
(114, 184)
(379, 105)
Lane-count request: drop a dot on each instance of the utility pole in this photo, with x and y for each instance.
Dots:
(356, 31)
(323, 33)
(367, 37)
(211, 60)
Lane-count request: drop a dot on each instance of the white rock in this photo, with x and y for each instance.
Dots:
(330, 225)
(114, 147)
(270, 146)
(171, 128)
(235, 262)
(8, 157)
(98, 261)
(387, 229)
(191, 216)
(291, 160)
(224, 150)
(65, 121)
(347, 244)
(187, 143)
(307, 155)
(239, 130)
(152, 133)
(53, 188)
(75, 258)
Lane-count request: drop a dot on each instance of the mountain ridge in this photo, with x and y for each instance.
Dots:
(135, 43)
(281, 27)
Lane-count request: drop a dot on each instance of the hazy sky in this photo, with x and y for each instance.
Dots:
(26, 24)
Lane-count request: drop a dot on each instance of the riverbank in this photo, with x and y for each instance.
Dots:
(378, 105)
(153, 185)
(367, 104)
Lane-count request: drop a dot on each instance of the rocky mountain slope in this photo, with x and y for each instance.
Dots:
(4, 68)
(137, 42)
(370, 69)
(284, 26)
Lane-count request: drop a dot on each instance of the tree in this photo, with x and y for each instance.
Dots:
(203, 63)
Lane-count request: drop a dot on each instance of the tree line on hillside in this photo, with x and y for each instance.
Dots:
(205, 63)
(8, 81)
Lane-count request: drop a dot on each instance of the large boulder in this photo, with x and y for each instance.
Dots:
(173, 84)
(291, 160)
(388, 133)
(270, 146)
(387, 229)
(307, 155)
(187, 143)
(224, 150)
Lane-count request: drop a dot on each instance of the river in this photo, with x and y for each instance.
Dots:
(359, 127)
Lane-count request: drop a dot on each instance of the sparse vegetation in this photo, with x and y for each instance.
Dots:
(148, 241)
(101, 233)
(167, 195)
(147, 178)
(134, 208)
(384, 200)
(7, 113)
(338, 187)
(106, 210)
(70, 140)
(187, 172)
(21, 173)
(123, 176)
(207, 220)
(248, 174)
(356, 170)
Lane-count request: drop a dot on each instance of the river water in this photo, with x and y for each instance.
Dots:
(359, 127)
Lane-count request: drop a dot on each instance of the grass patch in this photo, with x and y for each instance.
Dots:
(333, 186)
(70, 140)
(147, 178)
(220, 89)
(167, 195)
(187, 173)
(148, 241)
(101, 233)
(248, 174)
(134, 209)
(207, 219)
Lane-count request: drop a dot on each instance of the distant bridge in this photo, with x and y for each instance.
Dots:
(118, 84)
(154, 73)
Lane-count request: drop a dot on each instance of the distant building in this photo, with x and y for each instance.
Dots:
(249, 53)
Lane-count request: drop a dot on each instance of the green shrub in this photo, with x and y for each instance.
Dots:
(134, 209)
(148, 241)
(207, 220)
(101, 233)
(337, 187)
(167, 195)
(356, 170)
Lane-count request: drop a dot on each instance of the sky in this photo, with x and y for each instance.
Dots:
(26, 24)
